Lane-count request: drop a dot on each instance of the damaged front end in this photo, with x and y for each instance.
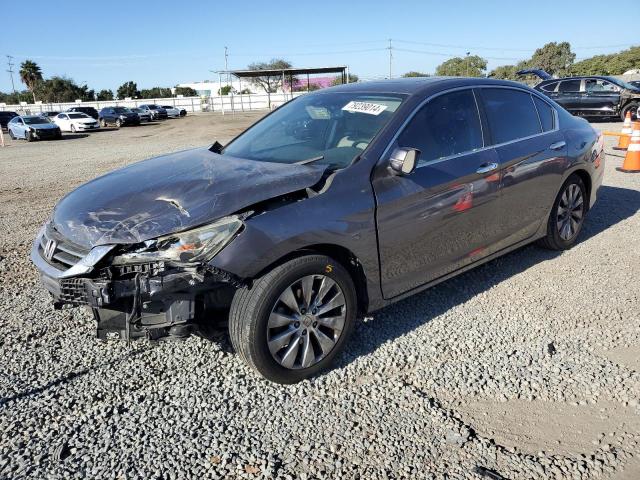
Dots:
(153, 289)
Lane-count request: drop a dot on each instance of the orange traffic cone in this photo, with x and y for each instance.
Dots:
(627, 129)
(632, 159)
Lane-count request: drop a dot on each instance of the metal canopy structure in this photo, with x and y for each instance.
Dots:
(343, 70)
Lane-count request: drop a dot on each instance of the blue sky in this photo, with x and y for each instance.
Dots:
(162, 43)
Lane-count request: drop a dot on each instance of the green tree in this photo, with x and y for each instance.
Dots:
(353, 78)
(186, 91)
(128, 90)
(155, 92)
(61, 89)
(226, 90)
(270, 83)
(469, 66)
(105, 95)
(412, 74)
(15, 98)
(612, 64)
(31, 76)
(554, 58)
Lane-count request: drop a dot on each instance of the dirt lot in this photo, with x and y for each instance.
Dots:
(526, 367)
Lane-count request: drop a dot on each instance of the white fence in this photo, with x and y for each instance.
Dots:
(224, 104)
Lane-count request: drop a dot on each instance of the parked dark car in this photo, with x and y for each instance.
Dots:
(156, 111)
(5, 117)
(595, 96)
(334, 205)
(118, 116)
(50, 115)
(92, 112)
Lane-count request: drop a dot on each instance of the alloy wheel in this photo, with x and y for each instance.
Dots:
(306, 321)
(570, 212)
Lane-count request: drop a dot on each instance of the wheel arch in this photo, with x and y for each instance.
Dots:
(586, 179)
(343, 255)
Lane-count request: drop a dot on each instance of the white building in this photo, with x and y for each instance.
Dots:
(208, 88)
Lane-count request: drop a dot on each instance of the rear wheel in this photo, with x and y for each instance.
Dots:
(567, 215)
(295, 319)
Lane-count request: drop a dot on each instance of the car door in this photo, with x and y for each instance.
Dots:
(443, 215)
(600, 96)
(570, 95)
(62, 120)
(19, 128)
(532, 154)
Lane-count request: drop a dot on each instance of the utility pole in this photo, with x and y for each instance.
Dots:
(390, 48)
(10, 71)
(468, 53)
(226, 63)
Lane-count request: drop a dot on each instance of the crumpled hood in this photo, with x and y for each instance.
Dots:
(172, 193)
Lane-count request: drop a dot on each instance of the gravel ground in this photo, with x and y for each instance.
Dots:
(525, 368)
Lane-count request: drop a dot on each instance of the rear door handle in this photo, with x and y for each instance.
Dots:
(558, 145)
(487, 167)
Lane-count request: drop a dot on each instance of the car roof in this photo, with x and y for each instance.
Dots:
(419, 86)
(601, 77)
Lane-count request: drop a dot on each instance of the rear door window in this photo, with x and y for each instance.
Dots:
(447, 125)
(511, 114)
(546, 114)
(569, 86)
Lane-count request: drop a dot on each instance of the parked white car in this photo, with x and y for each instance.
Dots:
(75, 122)
(172, 112)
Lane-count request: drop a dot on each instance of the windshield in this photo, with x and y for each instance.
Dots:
(122, 110)
(78, 115)
(623, 84)
(35, 120)
(327, 128)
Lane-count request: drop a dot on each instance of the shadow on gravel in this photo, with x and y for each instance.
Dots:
(613, 206)
(70, 377)
(72, 136)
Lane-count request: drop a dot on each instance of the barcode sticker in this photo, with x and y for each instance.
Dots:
(365, 107)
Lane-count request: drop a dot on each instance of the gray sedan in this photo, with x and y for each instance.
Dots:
(335, 205)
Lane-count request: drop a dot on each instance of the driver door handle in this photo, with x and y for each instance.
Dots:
(487, 167)
(558, 145)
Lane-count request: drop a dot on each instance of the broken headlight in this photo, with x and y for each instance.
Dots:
(199, 244)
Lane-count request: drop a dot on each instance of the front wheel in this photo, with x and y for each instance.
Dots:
(73, 129)
(28, 136)
(567, 215)
(11, 135)
(295, 319)
(103, 123)
(632, 108)
(118, 123)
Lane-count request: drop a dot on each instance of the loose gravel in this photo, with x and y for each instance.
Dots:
(525, 368)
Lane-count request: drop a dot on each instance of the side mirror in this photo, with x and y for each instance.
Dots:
(403, 161)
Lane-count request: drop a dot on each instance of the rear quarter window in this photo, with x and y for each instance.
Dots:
(546, 114)
(511, 114)
(549, 87)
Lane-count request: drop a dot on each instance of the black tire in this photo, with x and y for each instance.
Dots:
(118, 123)
(631, 107)
(28, 136)
(73, 128)
(103, 123)
(251, 308)
(554, 240)
(11, 135)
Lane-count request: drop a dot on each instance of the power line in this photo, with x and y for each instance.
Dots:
(10, 71)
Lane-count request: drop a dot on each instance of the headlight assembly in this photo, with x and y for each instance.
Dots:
(197, 245)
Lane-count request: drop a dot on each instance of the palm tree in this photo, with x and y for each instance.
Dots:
(30, 74)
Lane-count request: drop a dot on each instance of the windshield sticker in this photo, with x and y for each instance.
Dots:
(365, 107)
